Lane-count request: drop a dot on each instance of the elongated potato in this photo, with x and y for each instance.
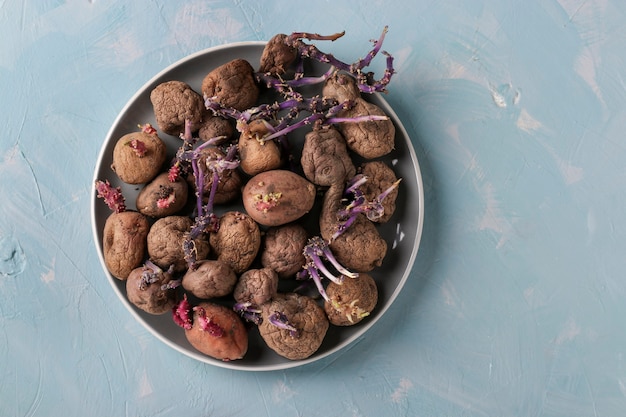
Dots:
(124, 242)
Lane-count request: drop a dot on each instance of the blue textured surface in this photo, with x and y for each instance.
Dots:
(516, 303)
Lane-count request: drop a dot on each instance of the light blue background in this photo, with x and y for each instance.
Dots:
(516, 304)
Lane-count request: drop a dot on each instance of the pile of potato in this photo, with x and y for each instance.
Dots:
(249, 255)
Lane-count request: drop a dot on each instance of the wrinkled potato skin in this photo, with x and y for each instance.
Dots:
(165, 242)
(325, 159)
(133, 169)
(351, 301)
(256, 286)
(277, 56)
(158, 188)
(342, 87)
(370, 139)
(215, 126)
(258, 156)
(305, 315)
(211, 279)
(173, 103)
(291, 197)
(232, 84)
(152, 299)
(124, 242)
(360, 248)
(237, 241)
(282, 250)
(380, 177)
(232, 345)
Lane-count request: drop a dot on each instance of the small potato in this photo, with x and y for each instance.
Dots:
(173, 103)
(229, 180)
(282, 249)
(211, 278)
(277, 56)
(307, 319)
(161, 197)
(134, 165)
(351, 301)
(218, 332)
(237, 240)
(256, 155)
(147, 289)
(124, 242)
(380, 177)
(277, 197)
(165, 242)
(256, 286)
(370, 139)
(232, 85)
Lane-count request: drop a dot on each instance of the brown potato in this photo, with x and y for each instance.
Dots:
(165, 242)
(351, 301)
(277, 197)
(380, 177)
(124, 242)
(256, 286)
(218, 332)
(150, 295)
(307, 318)
(277, 56)
(161, 197)
(257, 156)
(173, 103)
(237, 240)
(232, 85)
(325, 159)
(134, 168)
(282, 249)
(211, 278)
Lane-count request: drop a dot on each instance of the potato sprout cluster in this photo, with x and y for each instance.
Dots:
(306, 174)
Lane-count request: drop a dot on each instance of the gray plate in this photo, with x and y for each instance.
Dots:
(402, 232)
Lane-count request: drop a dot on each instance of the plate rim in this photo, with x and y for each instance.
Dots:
(365, 327)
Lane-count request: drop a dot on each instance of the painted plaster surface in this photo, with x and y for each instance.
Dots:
(516, 304)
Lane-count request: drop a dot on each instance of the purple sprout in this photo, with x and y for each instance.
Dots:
(359, 204)
(188, 156)
(365, 80)
(315, 252)
(280, 320)
(152, 273)
(249, 312)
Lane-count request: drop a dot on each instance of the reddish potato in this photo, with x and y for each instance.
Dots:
(124, 242)
(278, 197)
(217, 331)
